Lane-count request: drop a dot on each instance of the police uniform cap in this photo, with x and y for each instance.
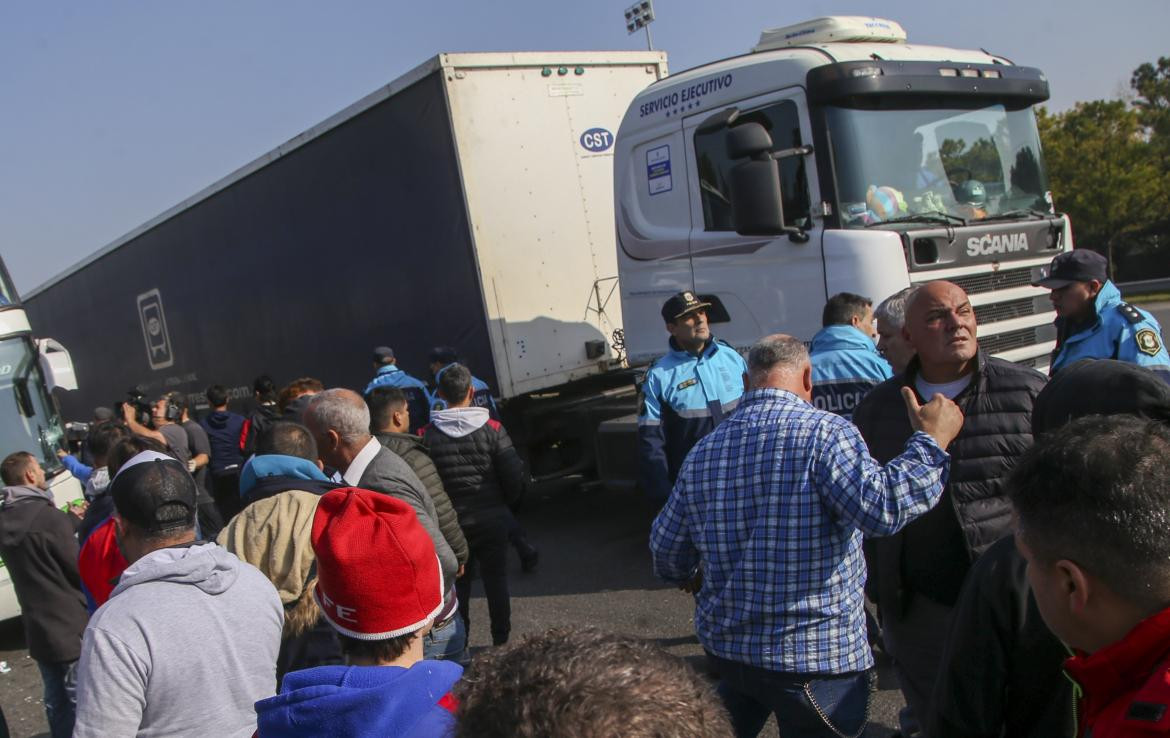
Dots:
(681, 304)
(1078, 265)
(383, 353)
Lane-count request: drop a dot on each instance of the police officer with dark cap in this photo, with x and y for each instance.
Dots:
(1092, 321)
(441, 358)
(387, 374)
(685, 394)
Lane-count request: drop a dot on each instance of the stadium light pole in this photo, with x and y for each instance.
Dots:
(639, 15)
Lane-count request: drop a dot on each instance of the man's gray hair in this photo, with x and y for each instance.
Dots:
(342, 411)
(892, 311)
(771, 352)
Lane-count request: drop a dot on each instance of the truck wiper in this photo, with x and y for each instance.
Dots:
(1022, 212)
(934, 216)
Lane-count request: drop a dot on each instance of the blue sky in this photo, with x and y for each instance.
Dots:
(113, 111)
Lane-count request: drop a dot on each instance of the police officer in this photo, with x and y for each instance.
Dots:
(686, 393)
(387, 374)
(442, 357)
(1092, 321)
(845, 362)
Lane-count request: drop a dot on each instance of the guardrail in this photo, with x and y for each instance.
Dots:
(1144, 287)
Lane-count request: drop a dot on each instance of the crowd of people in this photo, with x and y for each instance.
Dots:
(896, 470)
(306, 570)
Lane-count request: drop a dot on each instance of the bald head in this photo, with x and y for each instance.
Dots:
(780, 361)
(940, 325)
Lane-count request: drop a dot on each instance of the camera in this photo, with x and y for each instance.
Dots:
(143, 412)
(76, 432)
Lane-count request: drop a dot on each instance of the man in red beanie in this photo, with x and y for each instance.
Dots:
(379, 584)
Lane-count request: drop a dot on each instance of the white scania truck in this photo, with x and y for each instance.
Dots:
(836, 157)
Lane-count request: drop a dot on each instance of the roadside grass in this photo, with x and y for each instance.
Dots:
(1152, 297)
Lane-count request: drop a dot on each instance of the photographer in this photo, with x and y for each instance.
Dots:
(165, 414)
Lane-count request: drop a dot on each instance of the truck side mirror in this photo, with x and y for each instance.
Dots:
(56, 365)
(756, 202)
(748, 140)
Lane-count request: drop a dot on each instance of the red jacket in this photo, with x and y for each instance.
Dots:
(1126, 685)
(101, 564)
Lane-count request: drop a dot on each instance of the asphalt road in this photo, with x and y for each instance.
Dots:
(594, 569)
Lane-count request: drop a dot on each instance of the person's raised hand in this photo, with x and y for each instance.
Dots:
(940, 418)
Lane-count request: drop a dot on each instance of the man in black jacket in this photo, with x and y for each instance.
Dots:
(390, 423)
(1001, 671)
(39, 548)
(920, 570)
(483, 476)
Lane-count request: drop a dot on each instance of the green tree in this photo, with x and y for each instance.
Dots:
(1106, 174)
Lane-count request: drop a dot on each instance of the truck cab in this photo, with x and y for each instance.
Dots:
(29, 419)
(836, 156)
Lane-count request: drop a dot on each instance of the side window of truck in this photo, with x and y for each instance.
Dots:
(783, 122)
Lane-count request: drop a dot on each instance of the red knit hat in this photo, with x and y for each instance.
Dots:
(377, 573)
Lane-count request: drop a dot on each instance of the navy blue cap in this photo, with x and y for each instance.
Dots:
(681, 304)
(1078, 265)
(383, 353)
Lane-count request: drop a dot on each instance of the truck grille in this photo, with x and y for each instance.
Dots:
(997, 311)
(1005, 279)
(1010, 340)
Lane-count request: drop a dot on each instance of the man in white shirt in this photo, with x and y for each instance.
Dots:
(339, 421)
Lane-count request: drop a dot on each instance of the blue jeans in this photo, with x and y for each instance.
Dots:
(750, 694)
(448, 643)
(60, 680)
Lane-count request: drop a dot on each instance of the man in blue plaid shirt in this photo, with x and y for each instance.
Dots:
(765, 524)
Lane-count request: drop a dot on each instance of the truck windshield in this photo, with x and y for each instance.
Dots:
(7, 291)
(899, 159)
(28, 416)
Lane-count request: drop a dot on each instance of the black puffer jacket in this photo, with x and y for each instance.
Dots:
(414, 452)
(481, 471)
(932, 554)
(1002, 669)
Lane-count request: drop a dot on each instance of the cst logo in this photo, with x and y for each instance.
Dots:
(596, 140)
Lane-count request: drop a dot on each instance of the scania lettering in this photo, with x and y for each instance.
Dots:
(841, 159)
(997, 244)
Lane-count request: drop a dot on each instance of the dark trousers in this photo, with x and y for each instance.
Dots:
(805, 705)
(915, 638)
(487, 542)
(225, 490)
(60, 680)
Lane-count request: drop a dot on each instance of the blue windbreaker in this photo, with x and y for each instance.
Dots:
(344, 701)
(845, 366)
(684, 396)
(1120, 331)
(417, 397)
